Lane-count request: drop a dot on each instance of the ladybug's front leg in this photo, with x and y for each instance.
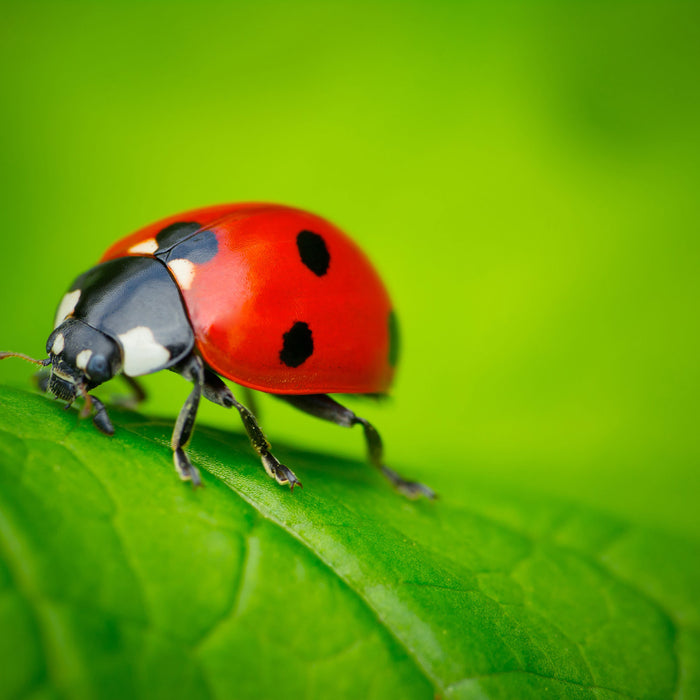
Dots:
(215, 390)
(41, 379)
(193, 369)
(94, 406)
(137, 396)
(100, 418)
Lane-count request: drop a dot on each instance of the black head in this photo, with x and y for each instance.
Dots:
(81, 359)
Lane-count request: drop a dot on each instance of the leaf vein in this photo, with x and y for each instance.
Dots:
(495, 674)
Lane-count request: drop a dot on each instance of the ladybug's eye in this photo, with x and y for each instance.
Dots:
(98, 369)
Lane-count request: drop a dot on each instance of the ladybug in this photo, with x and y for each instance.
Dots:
(271, 297)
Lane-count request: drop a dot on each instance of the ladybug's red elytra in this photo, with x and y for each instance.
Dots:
(271, 297)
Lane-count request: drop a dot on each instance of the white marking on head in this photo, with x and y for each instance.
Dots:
(66, 307)
(150, 245)
(143, 354)
(58, 344)
(183, 271)
(82, 359)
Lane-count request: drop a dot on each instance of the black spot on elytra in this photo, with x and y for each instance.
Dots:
(393, 339)
(313, 252)
(199, 249)
(297, 345)
(175, 233)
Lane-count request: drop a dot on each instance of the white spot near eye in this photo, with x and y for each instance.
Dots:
(82, 359)
(150, 245)
(183, 271)
(66, 307)
(58, 344)
(142, 352)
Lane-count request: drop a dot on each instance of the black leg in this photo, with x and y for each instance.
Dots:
(41, 379)
(193, 369)
(251, 401)
(216, 391)
(138, 393)
(323, 406)
(100, 418)
(93, 406)
(136, 396)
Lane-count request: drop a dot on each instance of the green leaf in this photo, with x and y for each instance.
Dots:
(117, 580)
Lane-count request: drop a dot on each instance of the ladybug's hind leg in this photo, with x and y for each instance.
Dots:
(215, 390)
(323, 406)
(251, 401)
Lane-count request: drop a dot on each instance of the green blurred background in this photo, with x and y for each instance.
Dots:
(525, 176)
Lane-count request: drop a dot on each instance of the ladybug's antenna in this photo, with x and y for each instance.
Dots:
(41, 363)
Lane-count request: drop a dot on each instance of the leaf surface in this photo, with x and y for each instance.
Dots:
(117, 580)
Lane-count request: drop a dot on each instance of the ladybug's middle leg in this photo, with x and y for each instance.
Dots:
(217, 392)
(323, 406)
(193, 369)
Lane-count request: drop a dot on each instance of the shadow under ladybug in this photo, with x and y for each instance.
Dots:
(271, 297)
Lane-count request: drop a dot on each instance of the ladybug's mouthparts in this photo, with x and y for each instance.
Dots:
(62, 388)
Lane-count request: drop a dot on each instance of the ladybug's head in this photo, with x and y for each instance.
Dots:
(81, 358)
